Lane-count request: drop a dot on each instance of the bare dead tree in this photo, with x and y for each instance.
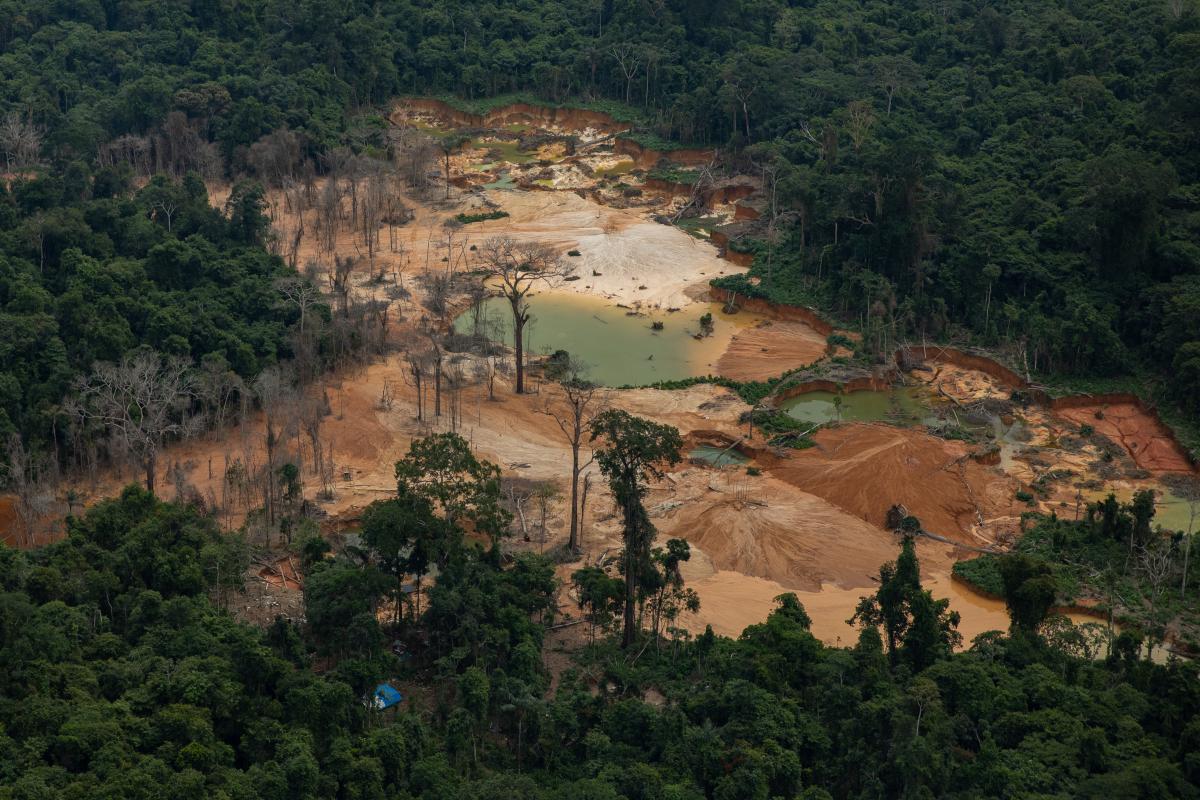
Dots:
(517, 268)
(629, 60)
(218, 387)
(860, 118)
(32, 480)
(373, 207)
(177, 147)
(275, 392)
(416, 369)
(275, 156)
(20, 141)
(299, 292)
(414, 154)
(573, 408)
(129, 149)
(142, 400)
(1155, 563)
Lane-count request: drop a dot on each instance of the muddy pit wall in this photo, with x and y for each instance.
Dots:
(720, 240)
(960, 358)
(757, 451)
(745, 213)
(516, 114)
(645, 157)
(722, 195)
(756, 305)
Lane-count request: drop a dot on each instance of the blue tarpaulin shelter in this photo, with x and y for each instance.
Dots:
(386, 696)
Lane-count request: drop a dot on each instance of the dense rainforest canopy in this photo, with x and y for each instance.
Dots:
(1021, 173)
(123, 676)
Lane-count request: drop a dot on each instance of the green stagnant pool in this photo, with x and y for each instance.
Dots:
(902, 406)
(619, 348)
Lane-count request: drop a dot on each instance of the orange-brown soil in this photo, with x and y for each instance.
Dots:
(1147, 440)
(8, 521)
(865, 469)
(770, 349)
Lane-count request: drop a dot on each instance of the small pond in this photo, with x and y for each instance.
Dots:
(903, 406)
(1170, 510)
(717, 456)
(618, 348)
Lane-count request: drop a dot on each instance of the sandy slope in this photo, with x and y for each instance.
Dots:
(627, 249)
(770, 349)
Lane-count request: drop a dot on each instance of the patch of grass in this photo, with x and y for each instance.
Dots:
(673, 174)
(467, 219)
(982, 574)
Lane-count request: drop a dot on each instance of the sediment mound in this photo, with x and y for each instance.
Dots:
(767, 529)
(864, 469)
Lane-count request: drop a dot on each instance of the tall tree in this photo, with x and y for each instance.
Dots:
(516, 269)
(442, 469)
(632, 453)
(142, 400)
(573, 410)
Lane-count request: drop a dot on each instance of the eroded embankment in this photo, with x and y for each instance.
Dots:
(1124, 418)
(774, 310)
(962, 358)
(562, 117)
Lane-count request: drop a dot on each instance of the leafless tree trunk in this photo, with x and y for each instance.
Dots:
(573, 411)
(32, 480)
(20, 141)
(629, 60)
(142, 401)
(518, 268)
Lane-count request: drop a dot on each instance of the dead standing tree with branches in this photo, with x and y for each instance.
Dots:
(573, 410)
(141, 401)
(516, 268)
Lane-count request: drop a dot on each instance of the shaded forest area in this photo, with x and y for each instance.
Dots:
(122, 673)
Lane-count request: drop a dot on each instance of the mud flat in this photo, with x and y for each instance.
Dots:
(865, 468)
(623, 256)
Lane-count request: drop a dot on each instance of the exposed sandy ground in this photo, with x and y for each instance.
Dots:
(1147, 440)
(962, 384)
(770, 349)
(812, 523)
(731, 601)
(865, 469)
(640, 262)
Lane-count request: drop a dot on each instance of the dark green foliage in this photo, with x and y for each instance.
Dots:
(1108, 557)
(632, 452)
(94, 279)
(120, 678)
(467, 219)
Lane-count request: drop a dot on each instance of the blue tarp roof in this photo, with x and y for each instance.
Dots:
(386, 696)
